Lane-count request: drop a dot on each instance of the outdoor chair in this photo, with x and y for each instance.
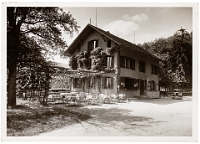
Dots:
(70, 98)
(94, 99)
(122, 98)
(114, 98)
(106, 98)
(81, 98)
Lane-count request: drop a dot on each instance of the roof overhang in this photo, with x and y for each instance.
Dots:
(80, 38)
(78, 41)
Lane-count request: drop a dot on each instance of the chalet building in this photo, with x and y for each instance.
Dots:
(124, 68)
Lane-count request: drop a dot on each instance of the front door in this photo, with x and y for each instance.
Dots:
(141, 87)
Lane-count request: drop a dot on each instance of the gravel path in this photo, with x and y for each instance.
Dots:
(157, 117)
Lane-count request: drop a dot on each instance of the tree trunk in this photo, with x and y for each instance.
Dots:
(46, 87)
(12, 83)
(12, 56)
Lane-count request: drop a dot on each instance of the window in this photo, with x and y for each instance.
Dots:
(108, 61)
(108, 43)
(152, 86)
(91, 83)
(141, 66)
(154, 69)
(92, 44)
(108, 82)
(126, 62)
(128, 83)
(77, 83)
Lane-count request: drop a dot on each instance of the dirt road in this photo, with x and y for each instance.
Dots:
(157, 117)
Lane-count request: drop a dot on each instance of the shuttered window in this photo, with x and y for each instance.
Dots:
(154, 69)
(126, 62)
(129, 83)
(108, 62)
(91, 83)
(92, 44)
(77, 83)
(152, 86)
(141, 66)
(108, 82)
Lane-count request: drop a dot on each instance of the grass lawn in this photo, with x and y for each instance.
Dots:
(31, 118)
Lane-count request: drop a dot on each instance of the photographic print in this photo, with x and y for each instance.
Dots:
(100, 71)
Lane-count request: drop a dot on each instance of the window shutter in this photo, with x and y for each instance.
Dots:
(74, 82)
(112, 82)
(104, 82)
(80, 83)
(140, 66)
(112, 61)
(109, 43)
(97, 43)
(132, 83)
(89, 63)
(87, 83)
(89, 46)
(122, 62)
(105, 61)
(75, 65)
(157, 70)
(132, 64)
(94, 82)
(122, 80)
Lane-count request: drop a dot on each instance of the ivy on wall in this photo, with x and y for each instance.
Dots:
(97, 56)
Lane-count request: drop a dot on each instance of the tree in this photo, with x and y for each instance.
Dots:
(175, 53)
(180, 57)
(43, 25)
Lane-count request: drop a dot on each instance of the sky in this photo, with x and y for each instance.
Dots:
(135, 24)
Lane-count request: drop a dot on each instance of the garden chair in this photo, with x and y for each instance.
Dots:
(122, 98)
(94, 99)
(81, 98)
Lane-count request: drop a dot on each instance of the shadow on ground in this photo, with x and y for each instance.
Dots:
(116, 118)
(161, 101)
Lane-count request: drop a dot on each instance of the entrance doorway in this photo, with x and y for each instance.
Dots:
(141, 87)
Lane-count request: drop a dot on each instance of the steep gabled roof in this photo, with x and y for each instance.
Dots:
(122, 42)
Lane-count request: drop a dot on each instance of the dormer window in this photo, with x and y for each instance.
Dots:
(92, 44)
(108, 43)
